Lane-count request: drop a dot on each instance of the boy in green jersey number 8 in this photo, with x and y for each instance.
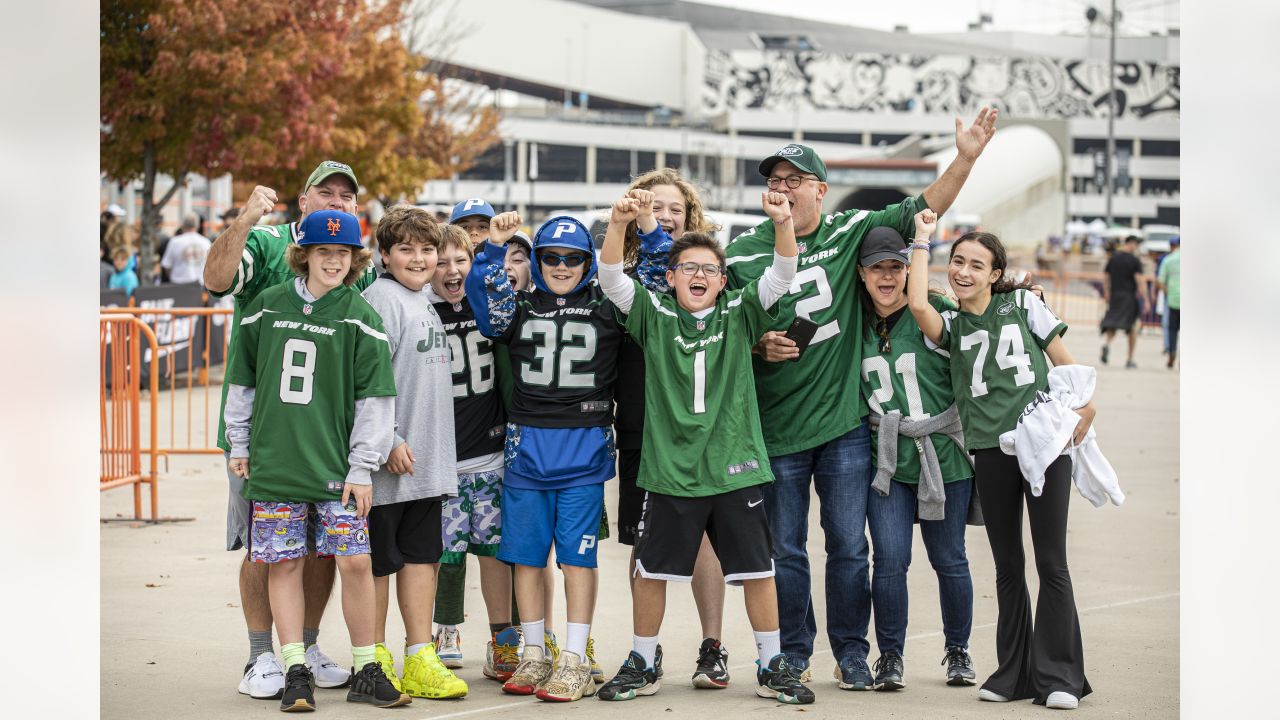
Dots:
(309, 416)
(703, 459)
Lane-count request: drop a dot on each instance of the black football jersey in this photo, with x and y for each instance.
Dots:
(478, 418)
(564, 358)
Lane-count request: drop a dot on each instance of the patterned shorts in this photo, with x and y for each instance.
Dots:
(279, 530)
(472, 522)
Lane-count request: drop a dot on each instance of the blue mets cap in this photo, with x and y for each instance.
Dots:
(330, 227)
(468, 208)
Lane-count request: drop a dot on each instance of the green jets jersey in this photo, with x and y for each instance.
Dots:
(997, 362)
(701, 428)
(308, 364)
(916, 381)
(262, 265)
(815, 399)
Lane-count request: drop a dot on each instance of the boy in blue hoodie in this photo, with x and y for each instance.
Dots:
(563, 339)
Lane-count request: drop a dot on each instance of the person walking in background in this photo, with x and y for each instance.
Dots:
(1121, 293)
(1169, 280)
(184, 257)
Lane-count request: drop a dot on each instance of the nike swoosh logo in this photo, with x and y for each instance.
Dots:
(753, 504)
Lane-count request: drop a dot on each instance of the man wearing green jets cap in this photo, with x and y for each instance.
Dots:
(244, 260)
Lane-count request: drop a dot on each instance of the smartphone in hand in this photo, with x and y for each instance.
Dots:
(801, 333)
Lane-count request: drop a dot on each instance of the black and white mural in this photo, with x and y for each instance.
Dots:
(1019, 87)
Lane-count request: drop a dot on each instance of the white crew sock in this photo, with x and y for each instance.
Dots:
(533, 635)
(768, 644)
(413, 649)
(576, 640)
(647, 647)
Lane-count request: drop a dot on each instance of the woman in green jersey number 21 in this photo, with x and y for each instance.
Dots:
(907, 385)
(998, 340)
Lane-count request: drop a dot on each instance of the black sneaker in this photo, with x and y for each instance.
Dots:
(633, 679)
(299, 690)
(889, 672)
(371, 686)
(959, 667)
(781, 682)
(1106, 351)
(853, 674)
(712, 672)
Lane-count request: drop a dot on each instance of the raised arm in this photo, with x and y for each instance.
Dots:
(615, 283)
(927, 317)
(777, 278)
(227, 249)
(489, 290)
(969, 145)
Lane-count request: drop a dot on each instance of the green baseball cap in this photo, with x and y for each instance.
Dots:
(802, 156)
(327, 168)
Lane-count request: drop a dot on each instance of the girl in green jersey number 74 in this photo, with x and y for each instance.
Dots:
(998, 340)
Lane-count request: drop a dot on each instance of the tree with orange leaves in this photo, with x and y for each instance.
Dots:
(262, 88)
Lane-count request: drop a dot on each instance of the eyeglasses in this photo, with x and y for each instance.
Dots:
(792, 181)
(691, 268)
(554, 259)
(882, 329)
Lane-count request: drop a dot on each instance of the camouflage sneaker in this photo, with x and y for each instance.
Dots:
(531, 674)
(570, 681)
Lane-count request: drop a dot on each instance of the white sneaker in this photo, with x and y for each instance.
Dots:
(328, 674)
(448, 643)
(1062, 701)
(263, 678)
(987, 695)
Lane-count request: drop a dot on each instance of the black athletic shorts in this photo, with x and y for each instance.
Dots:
(404, 532)
(630, 496)
(671, 531)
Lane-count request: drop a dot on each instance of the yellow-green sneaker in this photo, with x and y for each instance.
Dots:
(597, 674)
(388, 664)
(553, 649)
(426, 677)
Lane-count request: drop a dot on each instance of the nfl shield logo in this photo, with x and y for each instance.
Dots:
(800, 247)
(702, 325)
(560, 301)
(306, 309)
(457, 307)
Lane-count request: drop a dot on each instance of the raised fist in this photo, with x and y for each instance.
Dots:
(645, 200)
(261, 201)
(926, 222)
(503, 227)
(775, 206)
(626, 209)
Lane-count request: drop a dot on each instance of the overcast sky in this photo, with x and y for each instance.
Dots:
(1137, 17)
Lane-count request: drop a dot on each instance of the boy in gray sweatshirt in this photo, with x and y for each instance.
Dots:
(404, 524)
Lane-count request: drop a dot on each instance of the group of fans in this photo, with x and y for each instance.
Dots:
(476, 396)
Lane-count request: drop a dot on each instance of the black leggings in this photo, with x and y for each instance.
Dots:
(1049, 656)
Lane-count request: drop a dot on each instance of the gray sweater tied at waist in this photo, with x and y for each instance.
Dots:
(930, 496)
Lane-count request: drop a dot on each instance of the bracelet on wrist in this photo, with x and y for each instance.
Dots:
(919, 246)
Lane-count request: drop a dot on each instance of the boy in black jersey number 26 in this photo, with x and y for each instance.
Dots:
(563, 339)
(703, 461)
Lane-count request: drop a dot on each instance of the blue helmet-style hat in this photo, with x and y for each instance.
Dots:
(468, 208)
(330, 227)
(563, 232)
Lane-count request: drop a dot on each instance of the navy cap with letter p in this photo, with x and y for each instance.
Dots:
(468, 208)
(802, 156)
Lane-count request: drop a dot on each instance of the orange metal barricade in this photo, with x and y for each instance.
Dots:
(120, 364)
(186, 389)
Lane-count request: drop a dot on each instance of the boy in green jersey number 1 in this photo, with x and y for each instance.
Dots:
(703, 460)
(309, 416)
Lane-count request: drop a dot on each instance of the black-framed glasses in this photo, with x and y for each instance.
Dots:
(691, 268)
(555, 259)
(882, 329)
(792, 181)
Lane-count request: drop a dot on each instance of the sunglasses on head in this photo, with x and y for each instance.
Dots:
(551, 259)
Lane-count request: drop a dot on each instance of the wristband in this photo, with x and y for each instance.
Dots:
(919, 246)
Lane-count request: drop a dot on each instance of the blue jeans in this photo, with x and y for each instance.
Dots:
(841, 474)
(892, 519)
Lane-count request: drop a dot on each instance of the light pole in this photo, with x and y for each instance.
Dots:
(1092, 15)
